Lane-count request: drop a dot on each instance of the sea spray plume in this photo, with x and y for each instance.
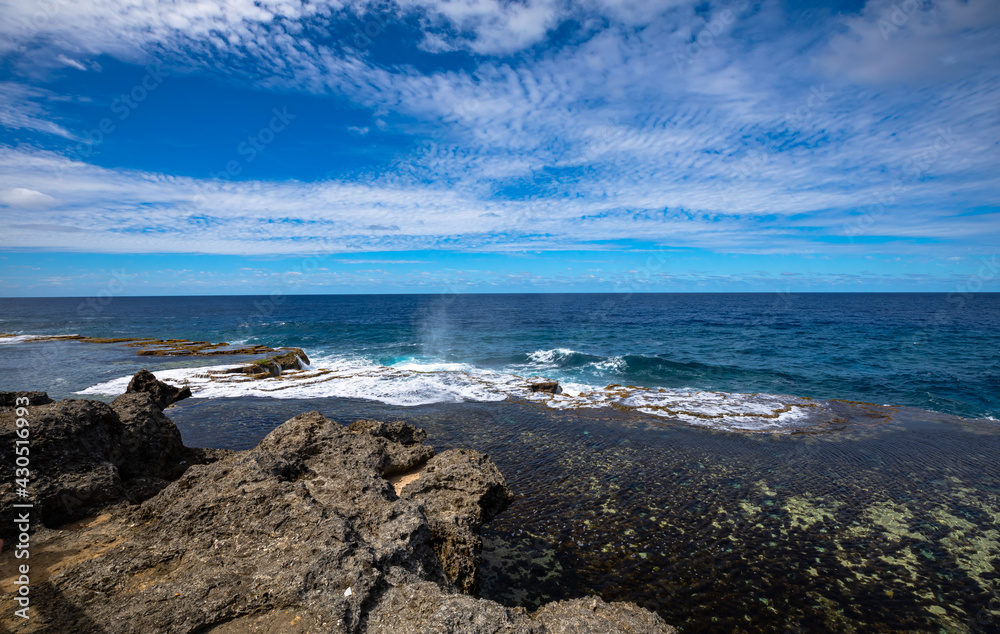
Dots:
(435, 325)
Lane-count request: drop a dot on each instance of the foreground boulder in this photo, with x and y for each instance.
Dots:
(85, 455)
(163, 394)
(320, 528)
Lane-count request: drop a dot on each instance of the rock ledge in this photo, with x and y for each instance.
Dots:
(303, 533)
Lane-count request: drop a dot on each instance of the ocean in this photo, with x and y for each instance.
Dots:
(932, 351)
(767, 462)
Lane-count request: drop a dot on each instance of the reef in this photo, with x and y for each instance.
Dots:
(149, 347)
(290, 359)
(320, 527)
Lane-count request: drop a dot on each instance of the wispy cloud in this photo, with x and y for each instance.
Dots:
(738, 128)
(23, 107)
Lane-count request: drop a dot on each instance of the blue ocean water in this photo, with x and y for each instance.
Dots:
(933, 351)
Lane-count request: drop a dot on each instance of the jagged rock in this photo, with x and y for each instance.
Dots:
(292, 359)
(396, 431)
(163, 394)
(591, 614)
(10, 399)
(302, 533)
(549, 387)
(460, 490)
(401, 441)
(296, 521)
(85, 455)
(424, 607)
(73, 456)
(150, 444)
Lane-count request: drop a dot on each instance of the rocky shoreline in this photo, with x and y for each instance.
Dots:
(321, 527)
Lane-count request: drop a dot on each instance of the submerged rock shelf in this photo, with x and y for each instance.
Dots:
(884, 523)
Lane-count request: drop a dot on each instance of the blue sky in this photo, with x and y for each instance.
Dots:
(280, 146)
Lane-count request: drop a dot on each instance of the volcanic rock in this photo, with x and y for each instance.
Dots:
(292, 359)
(10, 399)
(84, 455)
(163, 394)
(549, 387)
(303, 533)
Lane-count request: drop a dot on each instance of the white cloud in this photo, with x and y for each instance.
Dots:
(71, 62)
(608, 137)
(20, 108)
(25, 198)
(893, 41)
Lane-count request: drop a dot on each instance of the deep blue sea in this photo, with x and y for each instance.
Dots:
(933, 351)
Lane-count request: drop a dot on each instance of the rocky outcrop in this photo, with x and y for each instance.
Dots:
(591, 614)
(548, 387)
(150, 444)
(85, 455)
(290, 359)
(74, 453)
(423, 607)
(460, 490)
(303, 533)
(163, 394)
(10, 399)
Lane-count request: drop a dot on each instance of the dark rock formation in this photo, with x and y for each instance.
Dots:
(163, 394)
(9, 399)
(549, 387)
(460, 490)
(591, 614)
(303, 533)
(423, 607)
(291, 359)
(85, 455)
(74, 453)
(150, 444)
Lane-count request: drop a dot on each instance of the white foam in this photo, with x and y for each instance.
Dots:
(548, 358)
(417, 382)
(25, 338)
(611, 365)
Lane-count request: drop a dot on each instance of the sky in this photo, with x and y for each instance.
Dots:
(176, 147)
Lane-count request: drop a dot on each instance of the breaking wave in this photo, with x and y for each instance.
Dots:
(412, 382)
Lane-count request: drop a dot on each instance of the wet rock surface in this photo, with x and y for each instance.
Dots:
(162, 393)
(303, 533)
(290, 359)
(547, 387)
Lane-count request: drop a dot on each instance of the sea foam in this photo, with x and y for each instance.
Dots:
(412, 382)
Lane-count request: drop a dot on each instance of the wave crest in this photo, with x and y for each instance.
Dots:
(413, 382)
